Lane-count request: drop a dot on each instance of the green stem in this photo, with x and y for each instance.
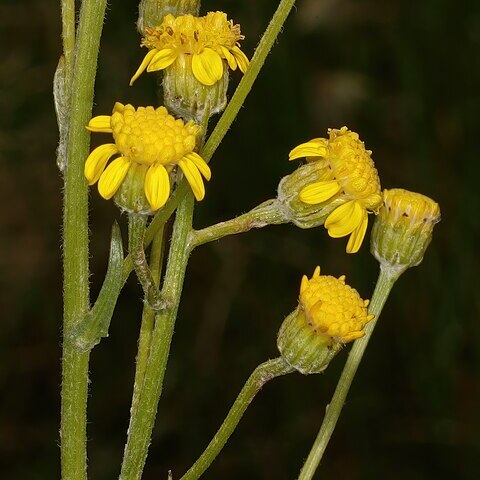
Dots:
(226, 120)
(267, 213)
(136, 231)
(142, 417)
(75, 237)
(385, 282)
(148, 318)
(261, 375)
(245, 85)
(68, 36)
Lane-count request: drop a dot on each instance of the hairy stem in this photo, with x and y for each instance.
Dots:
(268, 213)
(261, 375)
(75, 232)
(384, 285)
(68, 37)
(143, 414)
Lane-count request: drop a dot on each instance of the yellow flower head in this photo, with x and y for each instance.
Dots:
(403, 228)
(149, 138)
(346, 175)
(329, 314)
(333, 308)
(209, 44)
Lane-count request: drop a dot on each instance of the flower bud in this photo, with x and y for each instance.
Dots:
(403, 228)
(151, 12)
(330, 314)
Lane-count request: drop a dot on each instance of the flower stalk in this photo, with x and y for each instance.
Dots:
(75, 232)
(267, 213)
(143, 413)
(260, 376)
(385, 282)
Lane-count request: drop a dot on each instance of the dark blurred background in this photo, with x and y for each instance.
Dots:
(402, 74)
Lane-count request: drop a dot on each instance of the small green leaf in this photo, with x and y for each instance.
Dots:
(88, 333)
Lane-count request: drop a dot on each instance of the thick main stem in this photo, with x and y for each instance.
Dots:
(75, 238)
(385, 282)
(143, 414)
(261, 375)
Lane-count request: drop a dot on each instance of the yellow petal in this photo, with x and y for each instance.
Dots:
(319, 192)
(313, 148)
(303, 284)
(357, 236)
(157, 186)
(162, 59)
(145, 62)
(200, 164)
(113, 177)
(97, 160)
(232, 63)
(194, 178)
(207, 67)
(241, 59)
(344, 219)
(101, 123)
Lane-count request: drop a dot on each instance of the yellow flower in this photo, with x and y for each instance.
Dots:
(347, 176)
(151, 139)
(207, 44)
(330, 314)
(333, 308)
(403, 228)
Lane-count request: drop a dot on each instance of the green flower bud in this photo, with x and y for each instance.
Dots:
(403, 228)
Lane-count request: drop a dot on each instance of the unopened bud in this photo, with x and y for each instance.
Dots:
(403, 228)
